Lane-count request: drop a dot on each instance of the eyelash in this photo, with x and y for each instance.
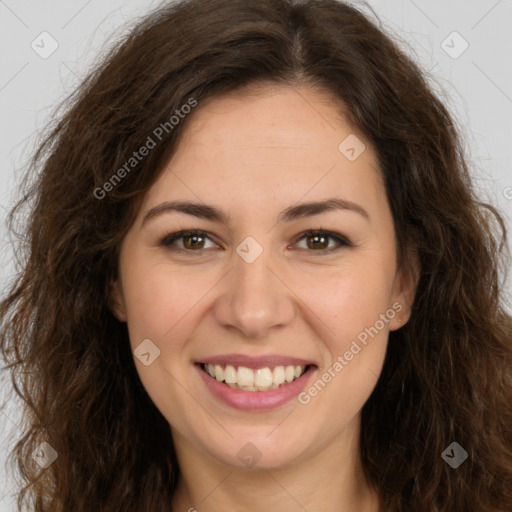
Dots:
(168, 240)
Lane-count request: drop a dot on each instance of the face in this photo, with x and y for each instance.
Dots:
(275, 282)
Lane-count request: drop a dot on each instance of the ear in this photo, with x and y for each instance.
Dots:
(404, 292)
(116, 300)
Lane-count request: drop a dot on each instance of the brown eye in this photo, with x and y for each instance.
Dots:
(194, 241)
(318, 241)
(191, 240)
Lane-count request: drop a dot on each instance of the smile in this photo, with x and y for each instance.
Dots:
(255, 384)
(258, 379)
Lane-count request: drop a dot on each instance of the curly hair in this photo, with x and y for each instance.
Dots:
(447, 374)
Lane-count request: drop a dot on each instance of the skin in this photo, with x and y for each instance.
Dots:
(254, 153)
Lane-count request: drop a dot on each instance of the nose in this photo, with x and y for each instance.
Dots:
(255, 299)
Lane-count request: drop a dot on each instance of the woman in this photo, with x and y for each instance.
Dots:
(257, 275)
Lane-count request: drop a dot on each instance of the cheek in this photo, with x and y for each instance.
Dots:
(160, 303)
(352, 298)
(158, 299)
(353, 305)
(163, 300)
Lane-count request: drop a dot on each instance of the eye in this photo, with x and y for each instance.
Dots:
(193, 241)
(319, 241)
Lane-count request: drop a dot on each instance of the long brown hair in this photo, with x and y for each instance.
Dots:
(447, 375)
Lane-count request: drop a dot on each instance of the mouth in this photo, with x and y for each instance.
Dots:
(254, 379)
(255, 384)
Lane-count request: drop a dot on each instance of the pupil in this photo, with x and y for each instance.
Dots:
(192, 237)
(316, 237)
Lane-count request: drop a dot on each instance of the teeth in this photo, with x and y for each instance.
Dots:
(263, 377)
(245, 376)
(229, 374)
(219, 373)
(278, 376)
(260, 379)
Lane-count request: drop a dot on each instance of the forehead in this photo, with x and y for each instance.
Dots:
(274, 119)
(273, 142)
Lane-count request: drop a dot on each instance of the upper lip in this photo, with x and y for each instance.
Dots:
(255, 362)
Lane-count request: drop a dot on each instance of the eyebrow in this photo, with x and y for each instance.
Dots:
(214, 214)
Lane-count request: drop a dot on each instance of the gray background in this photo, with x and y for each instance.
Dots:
(476, 85)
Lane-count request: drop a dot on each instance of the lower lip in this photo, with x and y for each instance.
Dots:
(255, 400)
